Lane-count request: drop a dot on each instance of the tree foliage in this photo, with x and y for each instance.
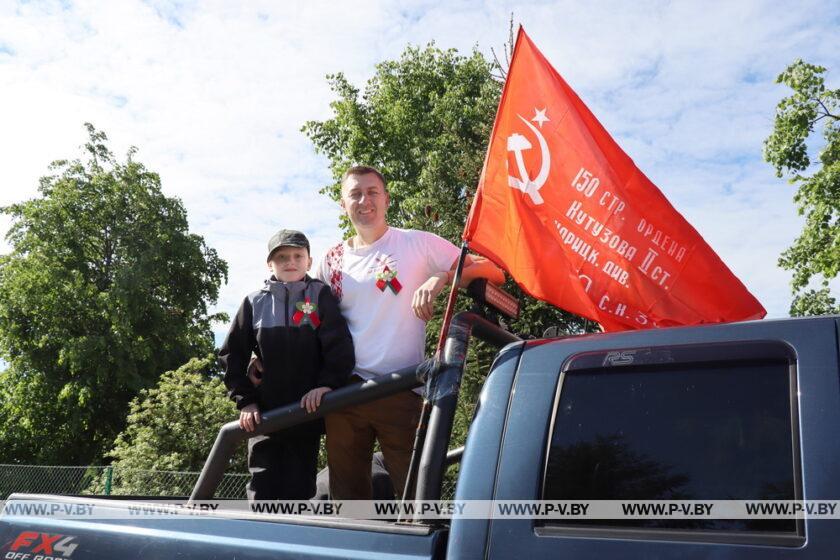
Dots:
(104, 289)
(425, 120)
(815, 254)
(171, 427)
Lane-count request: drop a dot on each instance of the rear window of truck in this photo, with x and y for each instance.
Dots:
(712, 422)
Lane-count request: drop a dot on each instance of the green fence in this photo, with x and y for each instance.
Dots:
(104, 481)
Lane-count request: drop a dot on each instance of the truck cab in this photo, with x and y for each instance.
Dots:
(743, 411)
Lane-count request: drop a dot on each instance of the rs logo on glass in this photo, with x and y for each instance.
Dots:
(620, 358)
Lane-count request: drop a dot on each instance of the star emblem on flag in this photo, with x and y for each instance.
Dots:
(539, 116)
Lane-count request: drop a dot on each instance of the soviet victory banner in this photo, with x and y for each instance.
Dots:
(569, 215)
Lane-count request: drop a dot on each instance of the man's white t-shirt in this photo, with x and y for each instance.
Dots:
(375, 285)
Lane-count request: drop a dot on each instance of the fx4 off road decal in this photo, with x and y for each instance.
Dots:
(33, 545)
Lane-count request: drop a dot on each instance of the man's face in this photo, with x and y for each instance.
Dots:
(365, 200)
(289, 264)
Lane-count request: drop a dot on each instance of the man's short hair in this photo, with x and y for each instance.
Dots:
(364, 170)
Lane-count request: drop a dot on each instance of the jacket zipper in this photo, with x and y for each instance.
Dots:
(286, 303)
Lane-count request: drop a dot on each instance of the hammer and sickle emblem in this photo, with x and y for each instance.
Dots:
(517, 144)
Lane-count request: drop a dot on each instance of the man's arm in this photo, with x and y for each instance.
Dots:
(476, 266)
(423, 302)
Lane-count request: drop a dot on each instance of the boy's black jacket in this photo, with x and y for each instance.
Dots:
(299, 351)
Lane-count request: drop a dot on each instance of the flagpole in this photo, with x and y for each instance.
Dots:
(450, 304)
(426, 410)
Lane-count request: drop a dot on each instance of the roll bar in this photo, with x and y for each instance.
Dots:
(443, 392)
(231, 435)
(443, 382)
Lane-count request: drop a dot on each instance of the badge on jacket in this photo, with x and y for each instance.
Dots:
(306, 314)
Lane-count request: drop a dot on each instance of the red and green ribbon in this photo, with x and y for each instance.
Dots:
(306, 313)
(388, 279)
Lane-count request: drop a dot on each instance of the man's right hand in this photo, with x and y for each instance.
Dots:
(255, 371)
(249, 417)
(423, 300)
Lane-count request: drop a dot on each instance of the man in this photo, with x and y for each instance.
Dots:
(386, 280)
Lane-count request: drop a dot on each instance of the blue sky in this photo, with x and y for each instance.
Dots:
(214, 95)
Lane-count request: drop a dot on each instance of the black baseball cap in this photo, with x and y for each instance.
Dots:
(287, 238)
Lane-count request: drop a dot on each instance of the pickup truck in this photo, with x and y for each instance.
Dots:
(740, 411)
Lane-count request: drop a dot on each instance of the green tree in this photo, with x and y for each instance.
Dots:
(425, 120)
(172, 427)
(104, 289)
(815, 254)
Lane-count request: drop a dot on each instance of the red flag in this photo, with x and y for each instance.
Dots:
(577, 224)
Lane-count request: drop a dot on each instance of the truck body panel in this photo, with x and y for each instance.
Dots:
(223, 536)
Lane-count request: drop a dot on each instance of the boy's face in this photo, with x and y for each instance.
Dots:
(289, 264)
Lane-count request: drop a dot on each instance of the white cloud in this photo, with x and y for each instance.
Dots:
(214, 95)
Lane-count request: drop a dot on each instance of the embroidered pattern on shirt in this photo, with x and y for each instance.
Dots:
(335, 260)
(380, 263)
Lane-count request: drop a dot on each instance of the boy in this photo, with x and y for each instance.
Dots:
(293, 324)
